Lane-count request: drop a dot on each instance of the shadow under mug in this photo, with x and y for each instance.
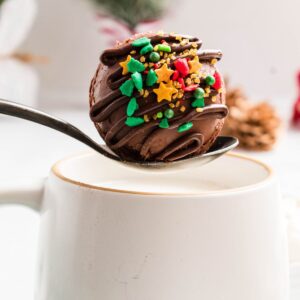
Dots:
(113, 233)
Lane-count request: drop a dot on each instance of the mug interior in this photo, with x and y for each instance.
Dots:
(230, 172)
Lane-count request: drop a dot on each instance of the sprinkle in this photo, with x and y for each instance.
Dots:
(142, 59)
(199, 109)
(197, 80)
(159, 115)
(172, 105)
(164, 73)
(132, 52)
(134, 121)
(154, 57)
(213, 99)
(131, 107)
(185, 127)
(146, 118)
(218, 81)
(163, 48)
(182, 108)
(198, 103)
(142, 92)
(182, 66)
(163, 92)
(178, 38)
(124, 63)
(181, 82)
(151, 65)
(127, 88)
(177, 103)
(143, 41)
(164, 123)
(175, 75)
(188, 81)
(137, 80)
(198, 93)
(220, 91)
(191, 88)
(146, 94)
(151, 78)
(194, 45)
(210, 80)
(135, 66)
(146, 65)
(146, 49)
(169, 113)
(214, 61)
(195, 65)
(207, 90)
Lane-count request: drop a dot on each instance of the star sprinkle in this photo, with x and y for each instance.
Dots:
(194, 64)
(124, 65)
(164, 92)
(170, 84)
(164, 73)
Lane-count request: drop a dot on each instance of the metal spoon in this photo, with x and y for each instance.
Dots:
(222, 145)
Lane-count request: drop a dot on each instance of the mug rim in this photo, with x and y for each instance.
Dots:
(58, 174)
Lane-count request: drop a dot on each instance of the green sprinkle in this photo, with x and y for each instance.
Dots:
(132, 107)
(154, 57)
(146, 49)
(141, 42)
(127, 88)
(169, 113)
(198, 103)
(185, 127)
(164, 123)
(198, 93)
(133, 121)
(163, 48)
(151, 78)
(137, 80)
(135, 66)
(210, 80)
(159, 115)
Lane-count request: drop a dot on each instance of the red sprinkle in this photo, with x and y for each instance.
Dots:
(163, 41)
(218, 84)
(180, 80)
(175, 75)
(156, 66)
(190, 88)
(146, 71)
(182, 66)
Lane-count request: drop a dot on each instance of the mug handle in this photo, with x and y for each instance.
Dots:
(26, 191)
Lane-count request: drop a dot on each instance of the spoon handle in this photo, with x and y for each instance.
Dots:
(28, 113)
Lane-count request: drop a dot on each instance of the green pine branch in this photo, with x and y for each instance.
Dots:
(133, 12)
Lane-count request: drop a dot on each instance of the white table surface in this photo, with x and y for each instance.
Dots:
(29, 150)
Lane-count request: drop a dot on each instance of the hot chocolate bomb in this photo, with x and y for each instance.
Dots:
(157, 97)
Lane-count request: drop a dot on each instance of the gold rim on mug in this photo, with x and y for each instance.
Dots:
(55, 170)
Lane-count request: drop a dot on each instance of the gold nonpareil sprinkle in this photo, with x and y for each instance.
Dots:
(182, 108)
(142, 59)
(199, 109)
(214, 99)
(133, 52)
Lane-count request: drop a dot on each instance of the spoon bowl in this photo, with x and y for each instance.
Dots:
(222, 144)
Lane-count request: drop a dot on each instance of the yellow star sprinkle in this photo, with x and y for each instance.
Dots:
(170, 84)
(164, 92)
(164, 73)
(195, 65)
(124, 65)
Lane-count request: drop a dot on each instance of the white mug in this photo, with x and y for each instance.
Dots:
(111, 233)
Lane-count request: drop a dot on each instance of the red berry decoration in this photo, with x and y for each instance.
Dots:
(218, 81)
(182, 66)
(296, 110)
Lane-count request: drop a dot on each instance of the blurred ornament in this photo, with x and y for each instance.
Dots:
(120, 19)
(16, 19)
(296, 109)
(255, 125)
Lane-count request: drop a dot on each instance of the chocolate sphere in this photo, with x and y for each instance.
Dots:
(157, 97)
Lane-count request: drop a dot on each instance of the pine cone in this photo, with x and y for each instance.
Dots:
(256, 126)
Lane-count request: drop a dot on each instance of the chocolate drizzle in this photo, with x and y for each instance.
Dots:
(149, 141)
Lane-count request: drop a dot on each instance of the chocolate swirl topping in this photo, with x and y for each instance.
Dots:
(150, 140)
